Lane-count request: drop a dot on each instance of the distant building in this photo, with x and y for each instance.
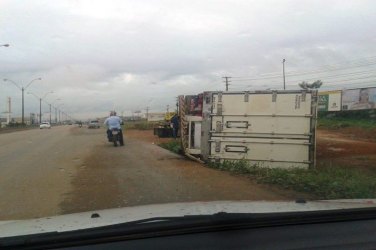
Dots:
(19, 120)
(3, 122)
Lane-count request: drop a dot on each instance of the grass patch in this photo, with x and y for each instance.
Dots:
(173, 146)
(339, 122)
(325, 183)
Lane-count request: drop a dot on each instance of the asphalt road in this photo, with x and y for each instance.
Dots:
(37, 167)
(69, 169)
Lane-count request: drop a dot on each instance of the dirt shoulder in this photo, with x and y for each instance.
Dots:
(143, 173)
(346, 150)
(11, 130)
(353, 133)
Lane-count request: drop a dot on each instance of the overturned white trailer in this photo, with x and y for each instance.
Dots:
(266, 128)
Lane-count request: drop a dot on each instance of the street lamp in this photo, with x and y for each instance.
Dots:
(53, 103)
(284, 77)
(23, 90)
(40, 103)
(4, 45)
(61, 104)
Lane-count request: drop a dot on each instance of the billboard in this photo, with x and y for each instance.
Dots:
(194, 104)
(155, 117)
(330, 101)
(356, 99)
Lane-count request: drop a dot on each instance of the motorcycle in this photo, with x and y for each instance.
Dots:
(115, 136)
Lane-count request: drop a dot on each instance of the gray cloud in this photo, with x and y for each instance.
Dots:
(98, 55)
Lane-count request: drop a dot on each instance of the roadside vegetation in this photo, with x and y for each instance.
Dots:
(340, 122)
(173, 146)
(350, 118)
(141, 125)
(323, 183)
(332, 182)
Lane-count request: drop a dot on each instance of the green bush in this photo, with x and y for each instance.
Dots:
(349, 114)
(173, 146)
(326, 183)
(338, 122)
(141, 125)
(16, 125)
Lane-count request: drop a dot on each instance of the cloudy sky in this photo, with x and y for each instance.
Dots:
(100, 55)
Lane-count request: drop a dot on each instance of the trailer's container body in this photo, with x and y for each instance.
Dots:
(266, 128)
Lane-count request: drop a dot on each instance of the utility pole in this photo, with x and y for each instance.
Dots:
(23, 92)
(40, 110)
(9, 109)
(55, 115)
(227, 81)
(284, 77)
(168, 108)
(50, 113)
(147, 113)
(23, 109)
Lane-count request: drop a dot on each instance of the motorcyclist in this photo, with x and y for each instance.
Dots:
(114, 121)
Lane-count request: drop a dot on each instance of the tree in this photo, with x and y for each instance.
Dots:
(315, 85)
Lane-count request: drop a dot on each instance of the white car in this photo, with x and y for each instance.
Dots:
(93, 124)
(45, 125)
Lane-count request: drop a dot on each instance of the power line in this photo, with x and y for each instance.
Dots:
(322, 77)
(331, 70)
(299, 73)
(355, 79)
(338, 77)
(330, 86)
(341, 75)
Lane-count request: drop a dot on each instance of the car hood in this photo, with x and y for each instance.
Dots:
(70, 222)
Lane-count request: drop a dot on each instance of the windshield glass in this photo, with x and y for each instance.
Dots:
(161, 102)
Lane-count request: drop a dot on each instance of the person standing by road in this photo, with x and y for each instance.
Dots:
(175, 125)
(114, 121)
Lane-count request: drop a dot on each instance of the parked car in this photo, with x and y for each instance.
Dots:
(94, 124)
(45, 125)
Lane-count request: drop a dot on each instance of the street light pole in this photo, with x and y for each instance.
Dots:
(58, 107)
(40, 110)
(55, 107)
(55, 115)
(284, 78)
(23, 90)
(50, 113)
(40, 104)
(23, 105)
(4, 45)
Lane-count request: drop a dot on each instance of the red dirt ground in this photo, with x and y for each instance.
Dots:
(347, 147)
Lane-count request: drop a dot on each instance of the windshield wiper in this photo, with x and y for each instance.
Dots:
(162, 226)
